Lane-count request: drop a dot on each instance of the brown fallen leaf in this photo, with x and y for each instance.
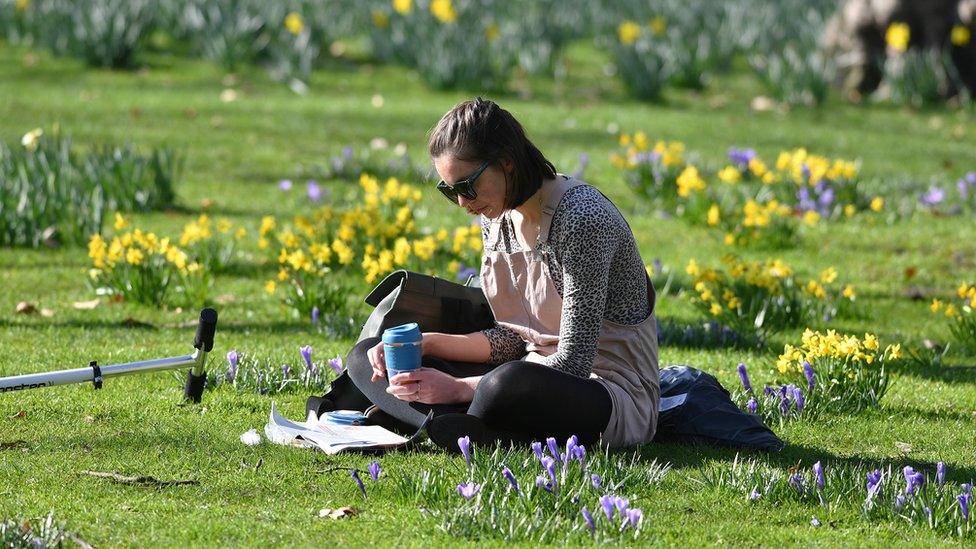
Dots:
(140, 479)
(19, 415)
(86, 305)
(341, 512)
(903, 446)
(26, 308)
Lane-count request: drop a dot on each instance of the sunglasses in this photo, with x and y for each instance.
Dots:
(464, 187)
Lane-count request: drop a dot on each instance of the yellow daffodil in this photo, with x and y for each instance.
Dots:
(658, 25)
(491, 32)
(443, 10)
(270, 286)
(403, 7)
(294, 23)
(22, 5)
(628, 32)
(713, 215)
(897, 36)
(730, 174)
(936, 305)
(877, 204)
(380, 19)
(960, 36)
(828, 275)
(850, 210)
(849, 292)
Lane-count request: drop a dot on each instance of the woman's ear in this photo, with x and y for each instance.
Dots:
(507, 165)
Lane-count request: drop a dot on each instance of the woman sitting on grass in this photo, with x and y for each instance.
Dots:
(574, 348)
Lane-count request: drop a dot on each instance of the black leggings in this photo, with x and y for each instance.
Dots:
(520, 397)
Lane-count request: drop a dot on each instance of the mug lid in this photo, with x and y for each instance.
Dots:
(405, 333)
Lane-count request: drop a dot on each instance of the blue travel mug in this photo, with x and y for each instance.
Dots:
(401, 347)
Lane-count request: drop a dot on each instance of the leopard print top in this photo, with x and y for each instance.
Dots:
(590, 250)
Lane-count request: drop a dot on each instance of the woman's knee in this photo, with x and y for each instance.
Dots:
(505, 382)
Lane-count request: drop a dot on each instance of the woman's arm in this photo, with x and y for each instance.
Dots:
(472, 347)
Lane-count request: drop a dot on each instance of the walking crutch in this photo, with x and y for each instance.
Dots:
(196, 377)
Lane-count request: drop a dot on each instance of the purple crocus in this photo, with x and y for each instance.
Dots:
(306, 352)
(741, 157)
(375, 470)
(285, 371)
(553, 447)
(796, 481)
(336, 364)
(285, 184)
(541, 482)
(232, 360)
(633, 518)
(315, 315)
(805, 171)
(347, 152)
(466, 272)
(784, 406)
(933, 196)
(818, 471)
(507, 473)
(313, 190)
(744, 377)
(874, 482)
(752, 405)
(769, 391)
(579, 453)
(588, 519)
(899, 502)
(596, 480)
(359, 481)
(967, 488)
(549, 464)
(464, 443)
(940, 471)
(658, 266)
(913, 479)
(798, 399)
(537, 449)
(621, 504)
(606, 502)
(468, 489)
(963, 500)
(754, 494)
(810, 375)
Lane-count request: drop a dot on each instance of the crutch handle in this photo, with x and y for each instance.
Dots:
(205, 330)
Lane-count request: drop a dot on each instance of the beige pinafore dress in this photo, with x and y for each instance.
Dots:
(524, 298)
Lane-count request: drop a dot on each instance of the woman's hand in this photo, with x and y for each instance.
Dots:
(377, 360)
(427, 386)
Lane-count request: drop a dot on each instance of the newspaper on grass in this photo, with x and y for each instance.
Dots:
(329, 437)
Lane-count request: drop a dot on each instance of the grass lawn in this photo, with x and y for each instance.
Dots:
(236, 152)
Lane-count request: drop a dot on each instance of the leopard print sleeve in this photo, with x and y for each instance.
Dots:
(585, 241)
(506, 345)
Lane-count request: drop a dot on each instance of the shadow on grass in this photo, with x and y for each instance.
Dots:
(683, 456)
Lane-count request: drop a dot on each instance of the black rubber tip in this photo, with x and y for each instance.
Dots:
(205, 330)
(193, 390)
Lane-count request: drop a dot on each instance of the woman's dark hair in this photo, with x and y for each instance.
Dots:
(479, 130)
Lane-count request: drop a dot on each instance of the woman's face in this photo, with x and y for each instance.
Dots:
(489, 187)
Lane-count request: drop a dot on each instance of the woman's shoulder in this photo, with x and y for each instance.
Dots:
(583, 201)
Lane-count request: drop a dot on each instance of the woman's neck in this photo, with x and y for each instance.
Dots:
(531, 210)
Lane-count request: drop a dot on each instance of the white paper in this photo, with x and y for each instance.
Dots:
(327, 437)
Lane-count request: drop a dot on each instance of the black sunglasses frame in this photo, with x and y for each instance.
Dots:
(464, 188)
